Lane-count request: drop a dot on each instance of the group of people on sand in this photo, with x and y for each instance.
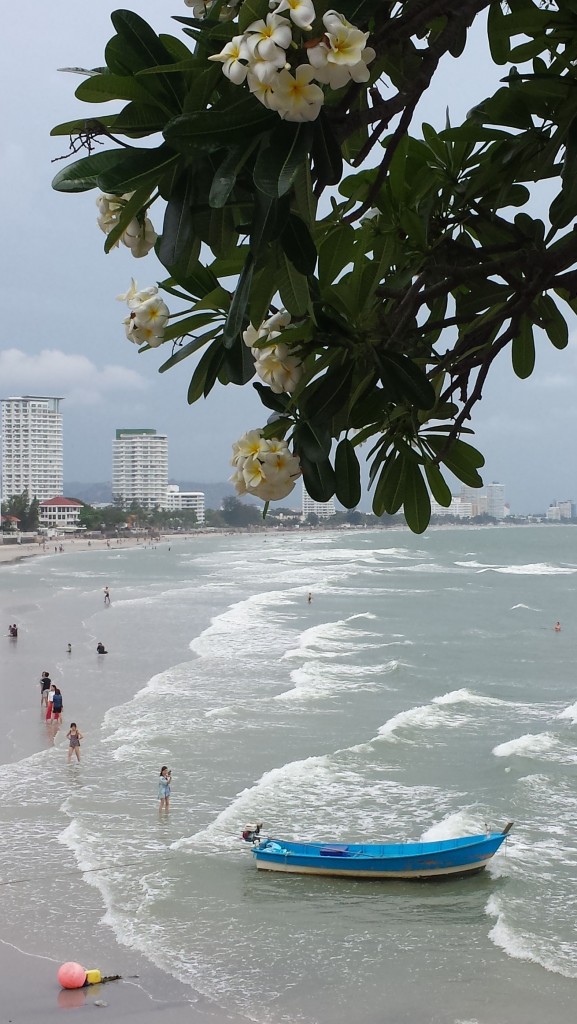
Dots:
(52, 702)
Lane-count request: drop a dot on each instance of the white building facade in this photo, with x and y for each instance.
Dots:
(177, 500)
(321, 509)
(496, 500)
(140, 467)
(32, 458)
(60, 513)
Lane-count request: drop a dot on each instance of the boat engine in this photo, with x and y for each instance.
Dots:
(251, 833)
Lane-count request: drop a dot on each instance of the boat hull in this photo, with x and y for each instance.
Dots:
(464, 856)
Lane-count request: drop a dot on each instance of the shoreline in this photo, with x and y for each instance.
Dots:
(28, 965)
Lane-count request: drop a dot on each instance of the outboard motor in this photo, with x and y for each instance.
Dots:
(251, 833)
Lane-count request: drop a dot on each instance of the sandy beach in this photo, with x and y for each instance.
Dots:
(29, 988)
(16, 552)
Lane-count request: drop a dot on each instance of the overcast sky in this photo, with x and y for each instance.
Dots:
(61, 330)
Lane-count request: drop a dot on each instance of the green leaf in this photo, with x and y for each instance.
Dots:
(293, 288)
(312, 441)
(278, 403)
(188, 324)
(137, 120)
(261, 293)
(417, 504)
(498, 34)
(335, 253)
(326, 153)
(461, 459)
(523, 349)
(402, 378)
(348, 475)
(237, 312)
(388, 496)
(298, 245)
(225, 177)
(238, 364)
(83, 174)
(219, 127)
(206, 372)
(439, 488)
(318, 478)
(179, 243)
(147, 51)
(281, 155)
(135, 168)
(327, 395)
(189, 349)
(101, 88)
(552, 321)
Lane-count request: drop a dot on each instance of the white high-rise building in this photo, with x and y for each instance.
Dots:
(31, 447)
(496, 500)
(322, 509)
(140, 467)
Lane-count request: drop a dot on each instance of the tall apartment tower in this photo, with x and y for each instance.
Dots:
(322, 509)
(31, 447)
(496, 500)
(140, 467)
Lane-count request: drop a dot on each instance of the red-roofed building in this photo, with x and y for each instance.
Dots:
(60, 513)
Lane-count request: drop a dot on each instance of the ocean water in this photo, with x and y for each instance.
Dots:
(422, 694)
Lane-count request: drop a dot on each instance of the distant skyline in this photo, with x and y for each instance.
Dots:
(61, 331)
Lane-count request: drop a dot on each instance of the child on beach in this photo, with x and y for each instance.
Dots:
(57, 706)
(74, 736)
(49, 700)
(164, 787)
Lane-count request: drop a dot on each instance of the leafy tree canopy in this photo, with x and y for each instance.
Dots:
(24, 510)
(369, 270)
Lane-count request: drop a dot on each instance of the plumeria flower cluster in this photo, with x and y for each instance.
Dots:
(274, 363)
(139, 236)
(148, 315)
(263, 466)
(259, 57)
(201, 8)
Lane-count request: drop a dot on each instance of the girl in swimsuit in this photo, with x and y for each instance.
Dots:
(164, 787)
(74, 736)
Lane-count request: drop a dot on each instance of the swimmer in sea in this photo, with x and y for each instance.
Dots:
(557, 627)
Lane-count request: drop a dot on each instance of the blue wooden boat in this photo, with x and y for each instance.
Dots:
(462, 856)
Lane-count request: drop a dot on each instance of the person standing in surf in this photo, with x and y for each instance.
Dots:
(73, 736)
(164, 788)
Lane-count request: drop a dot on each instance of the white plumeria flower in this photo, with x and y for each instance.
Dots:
(333, 21)
(280, 319)
(266, 37)
(302, 12)
(231, 57)
(296, 98)
(252, 335)
(140, 237)
(199, 7)
(267, 68)
(133, 297)
(346, 46)
(253, 473)
(278, 368)
(152, 313)
(250, 445)
(265, 468)
(338, 75)
(142, 335)
(261, 89)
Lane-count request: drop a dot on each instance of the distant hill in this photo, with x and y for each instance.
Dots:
(101, 493)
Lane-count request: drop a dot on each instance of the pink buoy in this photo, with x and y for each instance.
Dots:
(71, 975)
